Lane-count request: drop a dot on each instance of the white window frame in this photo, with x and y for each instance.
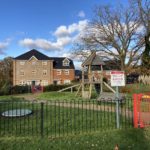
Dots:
(67, 81)
(22, 82)
(66, 72)
(22, 73)
(29, 82)
(66, 62)
(59, 72)
(45, 82)
(34, 72)
(44, 72)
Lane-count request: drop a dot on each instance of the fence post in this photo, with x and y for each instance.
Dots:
(42, 119)
(117, 108)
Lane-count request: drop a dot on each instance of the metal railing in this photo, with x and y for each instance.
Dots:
(62, 118)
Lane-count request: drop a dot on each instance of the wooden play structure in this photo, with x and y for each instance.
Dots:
(92, 76)
(70, 87)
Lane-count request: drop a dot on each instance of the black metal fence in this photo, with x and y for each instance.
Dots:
(61, 118)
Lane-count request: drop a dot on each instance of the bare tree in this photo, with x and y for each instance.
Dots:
(142, 7)
(116, 34)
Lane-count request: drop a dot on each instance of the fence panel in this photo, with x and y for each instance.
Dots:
(62, 118)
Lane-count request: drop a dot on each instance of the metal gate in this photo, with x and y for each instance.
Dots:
(141, 109)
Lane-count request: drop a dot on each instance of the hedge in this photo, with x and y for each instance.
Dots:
(57, 87)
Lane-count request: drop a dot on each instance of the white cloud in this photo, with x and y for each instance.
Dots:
(4, 45)
(68, 55)
(64, 36)
(81, 14)
(45, 44)
(62, 31)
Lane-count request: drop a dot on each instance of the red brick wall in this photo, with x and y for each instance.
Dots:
(63, 76)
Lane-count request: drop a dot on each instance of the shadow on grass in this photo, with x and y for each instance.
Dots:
(131, 139)
(135, 139)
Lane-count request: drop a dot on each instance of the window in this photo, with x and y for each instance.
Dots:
(29, 82)
(22, 82)
(58, 72)
(22, 72)
(66, 62)
(66, 72)
(34, 72)
(33, 62)
(66, 81)
(44, 63)
(58, 82)
(44, 72)
(22, 63)
(44, 82)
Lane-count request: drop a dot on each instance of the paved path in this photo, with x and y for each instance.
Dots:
(85, 105)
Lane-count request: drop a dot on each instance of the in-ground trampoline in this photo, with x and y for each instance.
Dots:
(17, 113)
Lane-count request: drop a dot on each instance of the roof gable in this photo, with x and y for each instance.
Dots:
(33, 58)
(94, 60)
(58, 63)
(28, 55)
(66, 60)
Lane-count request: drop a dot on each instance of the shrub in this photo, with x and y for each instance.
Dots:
(6, 88)
(126, 89)
(17, 89)
(57, 87)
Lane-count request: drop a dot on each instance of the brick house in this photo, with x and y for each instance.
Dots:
(35, 68)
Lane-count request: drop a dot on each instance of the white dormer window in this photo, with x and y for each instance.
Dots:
(66, 62)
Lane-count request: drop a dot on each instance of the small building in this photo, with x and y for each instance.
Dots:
(35, 68)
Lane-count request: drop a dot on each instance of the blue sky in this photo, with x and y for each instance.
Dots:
(50, 26)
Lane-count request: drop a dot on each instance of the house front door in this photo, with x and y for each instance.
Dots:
(33, 83)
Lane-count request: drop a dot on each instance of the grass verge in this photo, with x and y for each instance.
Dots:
(131, 139)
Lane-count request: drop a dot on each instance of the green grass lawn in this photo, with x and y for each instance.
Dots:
(58, 96)
(135, 88)
(129, 89)
(10, 98)
(131, 139)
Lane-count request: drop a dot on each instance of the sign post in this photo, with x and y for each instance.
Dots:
(117, 79)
